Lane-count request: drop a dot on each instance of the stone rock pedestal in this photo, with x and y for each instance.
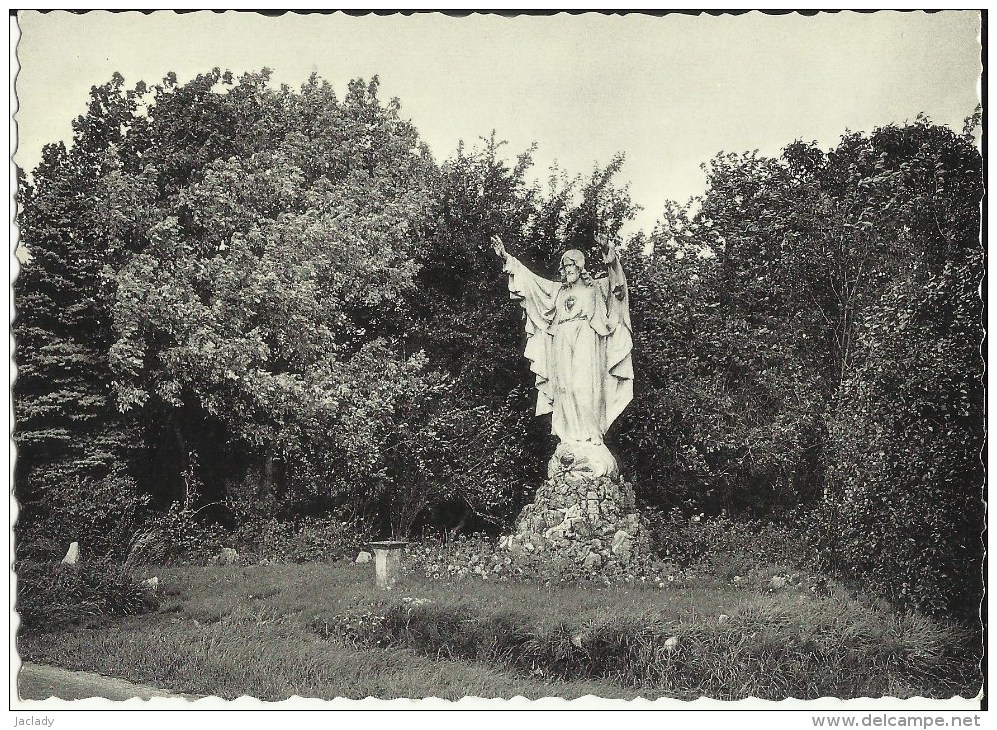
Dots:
(591, 521)
(387, 562)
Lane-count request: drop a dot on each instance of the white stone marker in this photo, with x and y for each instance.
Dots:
(73, 554)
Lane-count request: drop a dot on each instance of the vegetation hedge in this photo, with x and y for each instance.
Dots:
(760, 651)
(52, 594)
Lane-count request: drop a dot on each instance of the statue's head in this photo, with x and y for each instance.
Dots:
(572, 266)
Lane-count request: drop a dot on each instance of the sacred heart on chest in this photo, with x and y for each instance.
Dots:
(569, 303)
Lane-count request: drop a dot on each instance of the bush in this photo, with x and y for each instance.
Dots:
(101, 514)
(177, 537)
(724, 547)
(906, 484)
(52, 594)
(305, 540)
(837, 648)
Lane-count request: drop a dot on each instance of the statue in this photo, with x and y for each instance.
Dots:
(578, 344)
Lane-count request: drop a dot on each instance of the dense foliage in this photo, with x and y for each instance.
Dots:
(76, 461)
(761, 648)
(51, 595)
(272, 303)
(906, 436)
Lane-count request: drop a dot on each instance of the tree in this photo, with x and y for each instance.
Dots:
(243, 314)
(907, 430)
(728, 415)
(272, 265)
(73, 448)
(846, 318)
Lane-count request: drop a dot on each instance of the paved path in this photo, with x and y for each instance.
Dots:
(40, 682)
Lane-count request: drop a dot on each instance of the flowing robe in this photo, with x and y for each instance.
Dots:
(579, 343)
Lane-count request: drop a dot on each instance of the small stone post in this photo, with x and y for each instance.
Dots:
(73, 554)
(387, 562)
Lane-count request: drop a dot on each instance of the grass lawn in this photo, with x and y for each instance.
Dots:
(320, 630)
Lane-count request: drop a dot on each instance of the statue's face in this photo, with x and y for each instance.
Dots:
(570, 272)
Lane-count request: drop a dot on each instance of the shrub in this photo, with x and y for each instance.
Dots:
(178, 537)
(305, 540)
(724, 547)
(175, 537)
(101, 514)
(906, 484)
(764, 649)
(51, 594)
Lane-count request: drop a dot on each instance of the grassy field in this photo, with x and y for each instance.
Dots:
(312, 630)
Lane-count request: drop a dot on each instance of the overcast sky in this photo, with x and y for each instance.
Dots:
(669, 92)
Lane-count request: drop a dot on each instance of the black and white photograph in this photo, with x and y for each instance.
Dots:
(498, 360)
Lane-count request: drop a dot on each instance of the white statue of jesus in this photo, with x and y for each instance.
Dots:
(579, 345)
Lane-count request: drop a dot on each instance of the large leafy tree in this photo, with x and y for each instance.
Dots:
(754, 307)
(907, 423)
(834, 349)
(243, 316)
(272, 266)
(729, 413)
(468, 453)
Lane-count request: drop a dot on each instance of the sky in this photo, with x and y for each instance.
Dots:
(669, 92)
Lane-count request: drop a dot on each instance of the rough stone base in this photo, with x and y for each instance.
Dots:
(591, 521)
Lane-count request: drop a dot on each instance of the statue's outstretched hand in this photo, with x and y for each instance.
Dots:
(499, 247)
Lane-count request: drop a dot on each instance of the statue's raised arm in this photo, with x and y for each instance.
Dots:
(578, 344)
(524, 285)
(536, 296)
(619, 341)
